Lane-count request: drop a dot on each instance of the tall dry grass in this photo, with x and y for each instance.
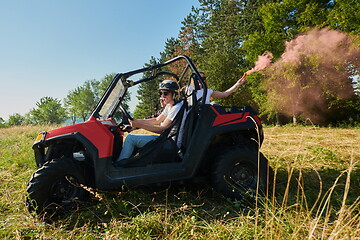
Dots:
(316, 182)
(315, 195)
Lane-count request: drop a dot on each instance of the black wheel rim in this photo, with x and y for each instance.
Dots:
(243, 176)
(64, 190)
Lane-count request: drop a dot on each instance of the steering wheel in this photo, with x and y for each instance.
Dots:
(126, 115)
(124, 125)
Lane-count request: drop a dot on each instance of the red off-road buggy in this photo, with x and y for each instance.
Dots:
(219, 144)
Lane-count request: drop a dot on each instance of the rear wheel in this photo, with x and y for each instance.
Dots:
(56, 187)
(240, 173)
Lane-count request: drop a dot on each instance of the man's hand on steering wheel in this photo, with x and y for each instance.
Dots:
(126, 116)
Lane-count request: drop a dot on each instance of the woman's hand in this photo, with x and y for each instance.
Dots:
(241, 80)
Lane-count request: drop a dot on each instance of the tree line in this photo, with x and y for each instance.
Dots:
(224, 38)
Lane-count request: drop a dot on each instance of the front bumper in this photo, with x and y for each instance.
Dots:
(39, 149)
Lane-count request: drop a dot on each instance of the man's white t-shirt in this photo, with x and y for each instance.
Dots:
(170, 113)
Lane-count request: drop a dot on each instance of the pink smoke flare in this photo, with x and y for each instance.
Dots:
(263, 61)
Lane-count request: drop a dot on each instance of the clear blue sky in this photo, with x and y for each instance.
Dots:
(48, 48)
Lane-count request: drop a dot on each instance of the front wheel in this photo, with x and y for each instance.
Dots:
(56, 187)
(241, 173)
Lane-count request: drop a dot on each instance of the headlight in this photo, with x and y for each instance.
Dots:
(40, 137)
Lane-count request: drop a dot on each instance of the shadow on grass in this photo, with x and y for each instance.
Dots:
(314, 186)
(306, 187)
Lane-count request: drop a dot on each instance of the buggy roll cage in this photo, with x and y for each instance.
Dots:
(124, 78)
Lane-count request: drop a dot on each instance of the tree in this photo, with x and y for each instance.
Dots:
(81, 101)
(345, 16)
(221, 55)
(169, 49)
(105, 82)
(49, 111)
(281, 21)
(147, 95)
(16, 119)
(2, 122)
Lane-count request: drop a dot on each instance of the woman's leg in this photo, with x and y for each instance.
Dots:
(133, 141)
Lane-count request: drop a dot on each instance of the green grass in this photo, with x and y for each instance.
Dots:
(315, 196)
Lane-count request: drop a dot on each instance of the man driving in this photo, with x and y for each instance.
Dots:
(168, 91)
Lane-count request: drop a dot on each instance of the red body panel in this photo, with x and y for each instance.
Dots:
(96, 132)
(232, 118)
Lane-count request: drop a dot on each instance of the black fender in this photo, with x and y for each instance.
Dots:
(41, 157)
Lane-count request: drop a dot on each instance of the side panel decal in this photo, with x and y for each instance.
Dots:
(231, 118)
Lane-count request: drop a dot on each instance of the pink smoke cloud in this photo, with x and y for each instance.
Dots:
(312, 72)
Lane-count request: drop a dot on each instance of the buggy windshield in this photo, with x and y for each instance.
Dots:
(112, 100)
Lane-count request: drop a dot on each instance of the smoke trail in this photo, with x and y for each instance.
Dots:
(313, 74)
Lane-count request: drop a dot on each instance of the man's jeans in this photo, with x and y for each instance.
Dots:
(133, 141)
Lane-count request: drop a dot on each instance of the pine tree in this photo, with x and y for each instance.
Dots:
(220, 55)
(147, 95)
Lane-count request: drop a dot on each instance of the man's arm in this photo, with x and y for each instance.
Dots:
(152, 121)
(139, 123)
(165, 121)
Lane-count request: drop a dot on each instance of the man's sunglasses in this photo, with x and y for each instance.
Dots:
(163, 93)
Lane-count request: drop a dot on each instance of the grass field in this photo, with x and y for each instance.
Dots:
(315, 196)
